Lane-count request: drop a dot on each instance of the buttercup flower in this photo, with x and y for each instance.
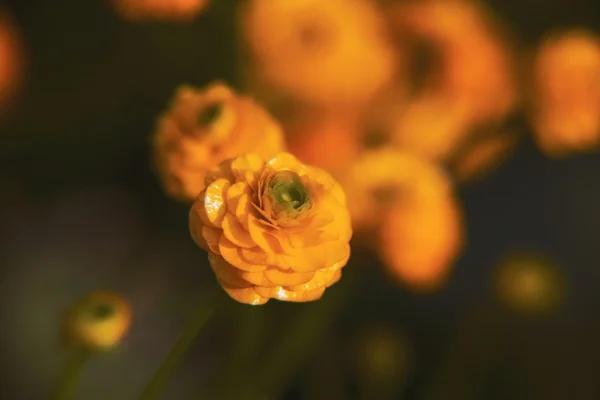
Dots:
(273, 229)
(566, 93)
(318, 54)
(98, 321)
(203, 127)
(176, 10)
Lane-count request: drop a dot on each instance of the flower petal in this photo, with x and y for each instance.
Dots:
(232, 254)
(261, 237)
(215, 201)
(212, 237)
(244, 295)
(234, 231)
(287, 278)
(280, 293)
(226, 272)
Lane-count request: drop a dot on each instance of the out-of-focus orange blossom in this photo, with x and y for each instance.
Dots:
(11, 59)
(529, 283)
(471, 79)
(97, 322)
(483, 156)
(334, 52)
(203, 127)
(379, 177)
(174, 10)
(566, 93)
(431, 127)
(476, 66)
(329, 142)
(273, 229)
(422, 236)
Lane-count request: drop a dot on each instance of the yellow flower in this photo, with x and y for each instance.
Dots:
(323, 52)
(98, 321)
(529, 283)
(201, 128)
(566, 93)
(273, 229)
(177, 10)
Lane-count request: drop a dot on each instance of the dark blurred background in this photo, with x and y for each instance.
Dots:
(81, 210)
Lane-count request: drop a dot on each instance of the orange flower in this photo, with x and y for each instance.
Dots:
(469, 75)
(476, 68)
(273, 229)
(98, 321)
(379, 177)
(10, 59)
(201, 128)
(566, 97)
(323, 52)
(421, 238)
(529, 283)
(177, 10)
(409, 201)
(328, 142)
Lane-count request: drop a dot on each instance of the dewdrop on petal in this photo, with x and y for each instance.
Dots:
(167, 10)
(203, 127)
(273, 228)
(565, 109)
(97, 322)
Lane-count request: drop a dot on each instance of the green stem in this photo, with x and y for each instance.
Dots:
(69, 377)
(294, 349)
(155, 387)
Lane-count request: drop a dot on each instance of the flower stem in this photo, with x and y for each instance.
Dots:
(295, 347)
(155, 387)
(69, 377)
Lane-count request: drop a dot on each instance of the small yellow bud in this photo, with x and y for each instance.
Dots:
(98, 321)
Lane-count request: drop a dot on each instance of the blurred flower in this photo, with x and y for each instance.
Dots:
(431, 127)
(410, 202)
(482, 156)
(11, 59)
(273, 229)
(529, 283)
(382, 357)
(470, 79)
(422, 236)
(176, 10)
(566, 93)
(203, 127)
(98, 321)
(333, 52)
(328, 142)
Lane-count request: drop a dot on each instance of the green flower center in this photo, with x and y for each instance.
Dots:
(288, 191)
(210, 114)
(101, 311)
